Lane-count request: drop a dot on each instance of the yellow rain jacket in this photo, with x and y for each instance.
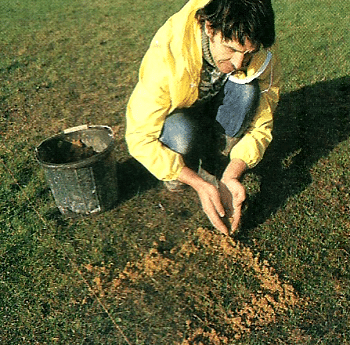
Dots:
(169, 78)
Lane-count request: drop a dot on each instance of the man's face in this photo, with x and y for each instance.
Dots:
(229, 56)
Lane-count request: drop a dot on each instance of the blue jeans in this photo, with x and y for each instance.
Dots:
(195, 131)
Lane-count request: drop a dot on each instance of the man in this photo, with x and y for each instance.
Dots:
(210, 71)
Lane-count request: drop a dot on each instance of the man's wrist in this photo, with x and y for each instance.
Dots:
(234, 170)
(192, 179)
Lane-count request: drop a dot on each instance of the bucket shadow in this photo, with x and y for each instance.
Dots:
(308, 124)
(133, 179)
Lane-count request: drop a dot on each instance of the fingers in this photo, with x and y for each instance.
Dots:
(226, 199)
(217, 203)
(233, 195)
(214, 209)
(219, 224)
(237, 213)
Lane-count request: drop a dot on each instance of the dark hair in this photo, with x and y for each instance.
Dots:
(241, 20)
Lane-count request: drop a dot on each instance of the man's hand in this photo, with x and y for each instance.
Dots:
(223, 202)
(232, 194)
(209, 196)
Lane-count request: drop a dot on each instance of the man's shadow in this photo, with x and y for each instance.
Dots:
(133, 179)
(308, 124)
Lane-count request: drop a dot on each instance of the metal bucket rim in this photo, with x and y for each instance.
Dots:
(83, 162)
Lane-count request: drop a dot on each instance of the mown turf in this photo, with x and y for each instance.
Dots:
(152, 270)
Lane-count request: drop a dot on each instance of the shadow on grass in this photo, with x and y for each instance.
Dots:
(309, 123)
(133, 179)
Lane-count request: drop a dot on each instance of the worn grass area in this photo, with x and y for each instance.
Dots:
(152, 270)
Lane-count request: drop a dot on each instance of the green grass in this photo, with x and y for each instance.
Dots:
(152, 270)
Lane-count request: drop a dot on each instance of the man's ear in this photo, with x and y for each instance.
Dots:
(208, 29)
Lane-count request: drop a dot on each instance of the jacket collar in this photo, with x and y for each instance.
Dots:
(255, 69)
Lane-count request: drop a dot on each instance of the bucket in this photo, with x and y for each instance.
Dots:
(81, 169)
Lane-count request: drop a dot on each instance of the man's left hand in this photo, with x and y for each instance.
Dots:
(232, 194)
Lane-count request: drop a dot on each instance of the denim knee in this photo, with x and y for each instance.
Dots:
(179, 132)
(238, 107)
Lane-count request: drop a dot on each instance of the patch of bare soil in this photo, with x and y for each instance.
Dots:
(260, 306)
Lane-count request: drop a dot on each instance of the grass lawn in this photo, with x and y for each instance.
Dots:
(152, 270)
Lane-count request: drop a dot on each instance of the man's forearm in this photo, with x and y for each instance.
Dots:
(192, 179)
(234, 169)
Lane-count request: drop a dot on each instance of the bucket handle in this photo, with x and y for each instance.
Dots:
(75, 129)
(82, 128)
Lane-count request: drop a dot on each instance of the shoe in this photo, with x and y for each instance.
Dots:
(175, 186)
(228, 144)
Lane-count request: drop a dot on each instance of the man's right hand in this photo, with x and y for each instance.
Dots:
(209, 196)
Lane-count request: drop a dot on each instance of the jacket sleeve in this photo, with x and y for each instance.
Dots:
(257, 138)
(147, 109)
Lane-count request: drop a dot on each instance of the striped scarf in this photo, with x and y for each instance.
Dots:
(212, 79)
